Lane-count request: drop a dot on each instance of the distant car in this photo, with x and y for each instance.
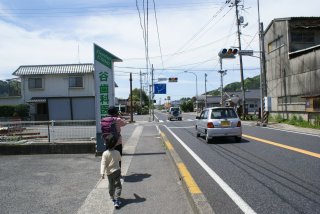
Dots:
(174, 113)
(219, 122)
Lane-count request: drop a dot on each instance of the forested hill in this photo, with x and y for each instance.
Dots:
(249, 83)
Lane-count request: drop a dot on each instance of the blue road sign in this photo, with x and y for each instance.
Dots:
(160, 89)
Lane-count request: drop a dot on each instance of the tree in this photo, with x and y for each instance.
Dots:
(136, 96)
(10, 87)
(187, 106)
(136, 101)
(249, 83)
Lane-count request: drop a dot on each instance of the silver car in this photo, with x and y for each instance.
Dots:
(219, 122)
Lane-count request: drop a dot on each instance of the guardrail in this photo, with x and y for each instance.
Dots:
(47, 131)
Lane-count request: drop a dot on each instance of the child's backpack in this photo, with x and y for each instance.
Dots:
(109, 130)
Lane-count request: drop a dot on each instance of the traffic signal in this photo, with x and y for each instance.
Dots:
(228, 53)
(173, 79)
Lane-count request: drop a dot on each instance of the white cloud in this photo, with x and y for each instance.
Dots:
(57, 41)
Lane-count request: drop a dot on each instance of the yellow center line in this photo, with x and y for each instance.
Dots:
(306, 152)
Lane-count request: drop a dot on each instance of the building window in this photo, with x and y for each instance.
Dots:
(302, 37)
(75, 82)
(291, 100)
(275, 44)
(35, 83)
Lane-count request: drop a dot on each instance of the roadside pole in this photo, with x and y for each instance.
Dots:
(131, 103)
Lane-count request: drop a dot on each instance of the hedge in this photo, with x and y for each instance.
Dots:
(21, 110)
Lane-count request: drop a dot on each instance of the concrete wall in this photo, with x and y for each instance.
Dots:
(11, 100)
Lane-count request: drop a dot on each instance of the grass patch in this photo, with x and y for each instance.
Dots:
(295, 121)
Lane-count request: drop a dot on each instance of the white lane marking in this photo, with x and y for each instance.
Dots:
(278, 129)
(226, 188)
(181, 127)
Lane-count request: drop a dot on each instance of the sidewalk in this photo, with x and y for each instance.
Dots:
(151, 184)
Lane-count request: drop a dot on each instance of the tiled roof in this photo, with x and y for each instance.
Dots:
(37, 100)
(54, 69)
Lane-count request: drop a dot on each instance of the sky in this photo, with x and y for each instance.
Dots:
(184, 38)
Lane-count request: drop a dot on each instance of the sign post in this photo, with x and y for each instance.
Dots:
(104, 88)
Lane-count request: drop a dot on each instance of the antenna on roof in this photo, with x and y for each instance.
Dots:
(78, 53)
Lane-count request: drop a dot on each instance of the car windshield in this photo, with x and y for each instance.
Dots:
(174, 109)
(223, 114)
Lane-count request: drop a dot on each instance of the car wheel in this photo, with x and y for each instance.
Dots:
(208, 140)
(238, 139)
(197, 133)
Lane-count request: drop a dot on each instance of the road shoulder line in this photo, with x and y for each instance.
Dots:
(225, 187)
(197, 199)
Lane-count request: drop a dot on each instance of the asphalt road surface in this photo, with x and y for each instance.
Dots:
(269, 171)
(46, 183)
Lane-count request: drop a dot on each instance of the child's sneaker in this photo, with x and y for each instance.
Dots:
(116, 204)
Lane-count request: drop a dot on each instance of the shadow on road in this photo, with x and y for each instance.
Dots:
(227, 140)
(136, 199)
(136, 177)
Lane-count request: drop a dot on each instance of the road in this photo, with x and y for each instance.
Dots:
(269, 171)
(46, 183)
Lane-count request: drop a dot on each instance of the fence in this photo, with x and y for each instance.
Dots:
(47, 131)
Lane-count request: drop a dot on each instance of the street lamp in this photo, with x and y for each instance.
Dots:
(196, 87)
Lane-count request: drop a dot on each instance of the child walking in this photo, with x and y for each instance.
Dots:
(110, 166)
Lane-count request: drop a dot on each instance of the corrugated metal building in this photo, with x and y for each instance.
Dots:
(292, 51)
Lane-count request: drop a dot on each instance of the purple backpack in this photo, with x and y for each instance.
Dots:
(109, 130)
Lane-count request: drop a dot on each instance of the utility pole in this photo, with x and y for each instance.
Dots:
(263, 88)
(140, 90)
(131, 103)
(222, 73)
(241, 65)
(205, 90)
(152, 95)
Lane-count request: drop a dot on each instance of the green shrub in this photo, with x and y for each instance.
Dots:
(6, 110)
(293, 120)
(21, 110)
(317, 121)
(145, 110)
(278, 118)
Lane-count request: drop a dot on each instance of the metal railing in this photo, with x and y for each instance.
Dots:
(47, 131)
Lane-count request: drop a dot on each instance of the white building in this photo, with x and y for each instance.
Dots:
(58, 92)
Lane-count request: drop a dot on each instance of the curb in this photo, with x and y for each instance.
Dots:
(196, 198)
(61, 148)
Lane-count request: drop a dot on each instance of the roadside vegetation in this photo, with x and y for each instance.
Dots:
(14, 111)
(296, 121)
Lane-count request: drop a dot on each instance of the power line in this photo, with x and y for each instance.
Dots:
(201, 29)
(185, 51)
(155, 16)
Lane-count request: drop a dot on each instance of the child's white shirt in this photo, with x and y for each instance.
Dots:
(110, 162)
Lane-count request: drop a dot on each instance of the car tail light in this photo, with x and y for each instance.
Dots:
(210, 125)
(239, 124)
